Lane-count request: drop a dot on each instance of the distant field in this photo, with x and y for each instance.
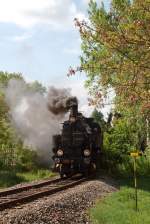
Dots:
(119, 208)
(8, 179)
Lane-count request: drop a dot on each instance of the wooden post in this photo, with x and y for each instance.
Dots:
(135, 186)
(135, 155)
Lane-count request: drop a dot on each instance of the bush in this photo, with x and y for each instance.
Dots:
(119, 141)
(27, 160)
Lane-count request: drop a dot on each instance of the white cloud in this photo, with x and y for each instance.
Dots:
(22, 37)
(86, 2)
(27, 13)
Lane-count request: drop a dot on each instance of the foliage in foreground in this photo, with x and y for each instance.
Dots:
(115, 52)
(119, 208)
(121, 139)
(122, 135)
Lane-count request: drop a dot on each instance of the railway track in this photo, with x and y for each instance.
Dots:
(18, 196)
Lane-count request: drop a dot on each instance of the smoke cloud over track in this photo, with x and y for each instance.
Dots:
(36, 116)
(57, 99)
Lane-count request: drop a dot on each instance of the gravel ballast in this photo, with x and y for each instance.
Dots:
(67, 207)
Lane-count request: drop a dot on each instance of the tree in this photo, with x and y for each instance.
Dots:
(37, 87)
(99, 118)
(116, 53)
(12, 151)
(7, 133)
(5, 77)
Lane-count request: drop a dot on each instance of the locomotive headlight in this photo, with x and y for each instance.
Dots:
(60, 152)
(87, 152)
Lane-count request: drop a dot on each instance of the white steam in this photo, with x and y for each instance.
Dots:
(32, 118)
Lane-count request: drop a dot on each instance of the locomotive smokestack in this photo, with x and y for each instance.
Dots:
(72, 105)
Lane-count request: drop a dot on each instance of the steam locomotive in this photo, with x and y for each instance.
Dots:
(78, 148)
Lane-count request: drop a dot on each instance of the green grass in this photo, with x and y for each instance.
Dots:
(10, 178)
(37, 175)
(119, 207)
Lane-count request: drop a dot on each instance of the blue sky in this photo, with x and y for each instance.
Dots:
(38, 38)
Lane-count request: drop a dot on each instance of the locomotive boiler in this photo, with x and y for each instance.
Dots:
(78, 148)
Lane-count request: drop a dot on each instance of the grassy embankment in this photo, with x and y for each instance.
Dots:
(119, 207)
(9, 178)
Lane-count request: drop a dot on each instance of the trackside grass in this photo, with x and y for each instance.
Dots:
(119, 207)
(36, 175)
(10, 178)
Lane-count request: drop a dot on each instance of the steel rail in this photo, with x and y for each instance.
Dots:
(32, 193)
(27, 187)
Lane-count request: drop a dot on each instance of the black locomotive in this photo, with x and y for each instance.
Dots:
(78, 148)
